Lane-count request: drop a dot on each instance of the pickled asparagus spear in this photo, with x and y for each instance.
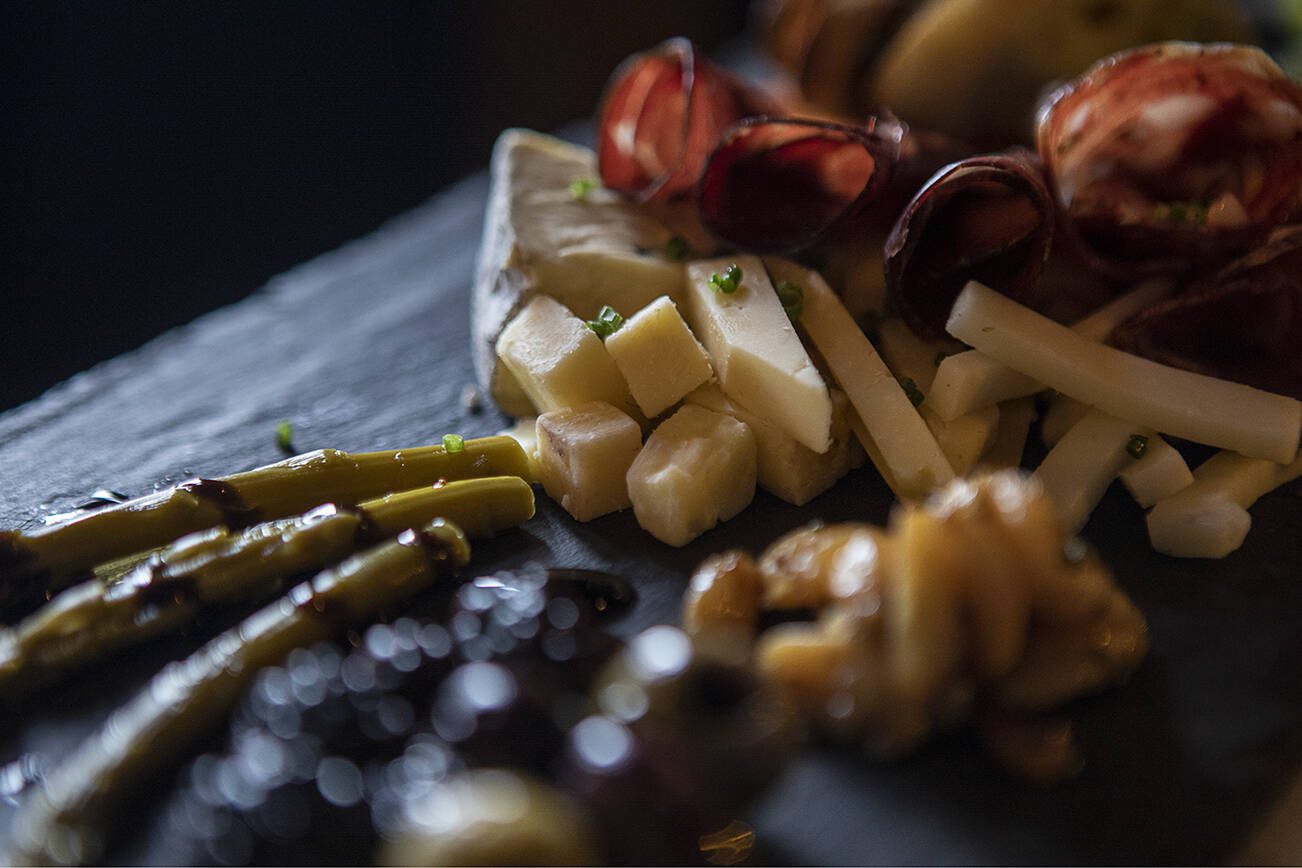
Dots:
(67, 820)
(52, 558)
(218, 566)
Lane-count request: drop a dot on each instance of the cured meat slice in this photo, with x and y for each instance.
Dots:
(780, 184)
(987, 218)
(1242, 324)
(1173, 154)
(663, 112)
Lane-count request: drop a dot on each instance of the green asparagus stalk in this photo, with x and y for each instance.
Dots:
(67, 820)
(50, 559)
(218, 566)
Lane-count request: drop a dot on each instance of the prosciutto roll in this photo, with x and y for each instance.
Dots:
(1242, 324)
(987, 218)
(1173, 154)
(663, 112)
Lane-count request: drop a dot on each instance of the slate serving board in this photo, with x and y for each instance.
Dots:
(366, 348)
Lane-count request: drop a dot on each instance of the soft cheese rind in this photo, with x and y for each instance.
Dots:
(540, 238)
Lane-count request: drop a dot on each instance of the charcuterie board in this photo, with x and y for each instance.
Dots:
(367, 347)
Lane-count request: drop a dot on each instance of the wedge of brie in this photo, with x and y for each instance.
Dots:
(546, 234)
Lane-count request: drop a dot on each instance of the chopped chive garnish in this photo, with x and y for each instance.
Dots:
(581, 187)
(1181, 212)
(285, 436)
(454, 443)
(911, 389)
(726, 283)
(1137, 445)
(792, 296)
(607, 322)
(676, 248)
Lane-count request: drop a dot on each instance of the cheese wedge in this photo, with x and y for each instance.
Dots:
(757, 356)
(586, 247)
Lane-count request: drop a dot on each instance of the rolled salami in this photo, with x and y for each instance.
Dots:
(1174, 154)
(663, 112)
(1243, 323)
(987, 218)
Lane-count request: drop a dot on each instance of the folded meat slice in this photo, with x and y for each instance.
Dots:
(1243, 323)
(988, 218)
(1174, 153)
(663, 112)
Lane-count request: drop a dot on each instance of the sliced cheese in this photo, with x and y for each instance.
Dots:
(757, 356)
(899, 441)
(1157, 475)
(540, 238)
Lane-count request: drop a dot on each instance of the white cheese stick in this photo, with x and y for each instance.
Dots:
(1160, 473)
(1009, 443)
(965, 381)
(911, 358)
(899, 442)
(1079, 469)
(1209, 517)
(1180, 403)
(755, 351)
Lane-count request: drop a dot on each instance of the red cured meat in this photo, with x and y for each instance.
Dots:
(663, 112)
(987, 218)
(1243, 323)
(781, 184)
(1174, 154)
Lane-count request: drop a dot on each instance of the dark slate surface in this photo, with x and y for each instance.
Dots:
(366, 348)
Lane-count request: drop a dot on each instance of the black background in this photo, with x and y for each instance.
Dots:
(163, 159)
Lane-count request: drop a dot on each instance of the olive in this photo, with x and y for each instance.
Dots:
(737, 730)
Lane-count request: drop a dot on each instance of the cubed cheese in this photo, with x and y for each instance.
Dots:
(697, 469)
(584, 454)
(540, 238)
(658, 356)
(558, 361)
(756, 353)
(787, 468)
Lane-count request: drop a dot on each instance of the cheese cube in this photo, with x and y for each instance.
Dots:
(756, 353)
(697, 469)
(658, 356)
(559, 361)
(584, 454)
(785, 467)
